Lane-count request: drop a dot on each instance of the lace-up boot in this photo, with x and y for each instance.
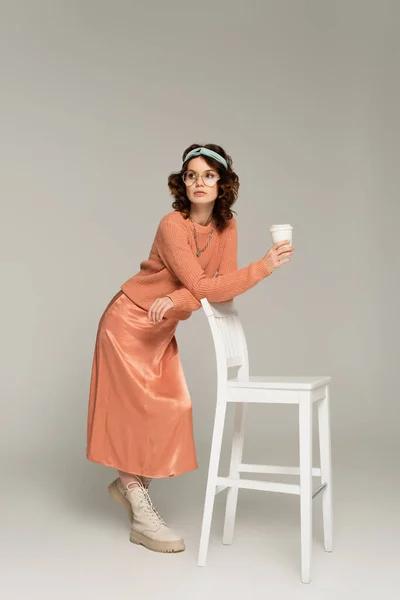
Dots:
(148, 528)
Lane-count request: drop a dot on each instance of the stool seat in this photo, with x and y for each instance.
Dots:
(272, 382)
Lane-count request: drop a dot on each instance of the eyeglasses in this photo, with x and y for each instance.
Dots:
(209, 178)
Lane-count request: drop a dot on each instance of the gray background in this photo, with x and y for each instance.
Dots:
(99, 100)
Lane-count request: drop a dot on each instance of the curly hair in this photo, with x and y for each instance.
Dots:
(228, 186)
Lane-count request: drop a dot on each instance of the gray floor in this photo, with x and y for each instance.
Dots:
(64, 538)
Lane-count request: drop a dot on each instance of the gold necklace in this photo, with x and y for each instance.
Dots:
(198, 251)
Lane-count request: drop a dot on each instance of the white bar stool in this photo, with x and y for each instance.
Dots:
(231, 351)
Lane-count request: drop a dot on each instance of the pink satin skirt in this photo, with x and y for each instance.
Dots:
(140, 410)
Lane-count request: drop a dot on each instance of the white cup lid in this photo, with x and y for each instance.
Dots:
(279, 227)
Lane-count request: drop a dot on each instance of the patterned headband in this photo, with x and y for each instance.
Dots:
(207, 152)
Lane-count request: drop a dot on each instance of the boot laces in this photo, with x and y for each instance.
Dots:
(149, 507)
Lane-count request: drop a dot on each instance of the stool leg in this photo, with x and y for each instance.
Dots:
(236, 459)
(212, 480)
(326, 469)
(305, 438)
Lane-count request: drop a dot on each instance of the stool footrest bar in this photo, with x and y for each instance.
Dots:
(277, 470)
(254, 484)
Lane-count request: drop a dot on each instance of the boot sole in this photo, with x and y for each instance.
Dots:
(166, 547)
(120, 499)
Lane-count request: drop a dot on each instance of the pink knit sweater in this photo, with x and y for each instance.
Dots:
(174, 270)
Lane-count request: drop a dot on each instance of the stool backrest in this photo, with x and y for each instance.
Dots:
(228, 336)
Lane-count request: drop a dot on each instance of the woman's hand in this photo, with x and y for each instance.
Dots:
(278, 255)
(158, 309)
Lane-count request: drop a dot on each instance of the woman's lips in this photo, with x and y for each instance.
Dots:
(199, 193)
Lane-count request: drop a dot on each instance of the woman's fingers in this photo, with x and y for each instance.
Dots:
(280, 250)
(158, 309)
(153, 310)
(285, 250)
(166, 305)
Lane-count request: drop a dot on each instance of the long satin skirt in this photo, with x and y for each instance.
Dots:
(140, 410)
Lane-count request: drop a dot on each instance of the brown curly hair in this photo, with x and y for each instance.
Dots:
(228, 186)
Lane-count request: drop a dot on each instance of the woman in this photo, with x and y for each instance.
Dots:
(140, 413)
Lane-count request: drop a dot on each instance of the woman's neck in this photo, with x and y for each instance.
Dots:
(202, 218)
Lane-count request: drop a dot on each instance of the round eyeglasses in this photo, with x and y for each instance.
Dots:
(209, 178)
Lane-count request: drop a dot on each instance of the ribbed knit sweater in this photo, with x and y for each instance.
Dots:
(174, 270)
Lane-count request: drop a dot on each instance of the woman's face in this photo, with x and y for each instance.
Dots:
(199, 192)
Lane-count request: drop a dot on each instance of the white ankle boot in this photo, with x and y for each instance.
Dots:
(148, 528)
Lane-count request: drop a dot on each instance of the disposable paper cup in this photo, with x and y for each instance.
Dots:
(281, 232)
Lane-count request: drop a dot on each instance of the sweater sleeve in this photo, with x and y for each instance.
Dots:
(229, 258)
(184, 300)
(177, 255)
